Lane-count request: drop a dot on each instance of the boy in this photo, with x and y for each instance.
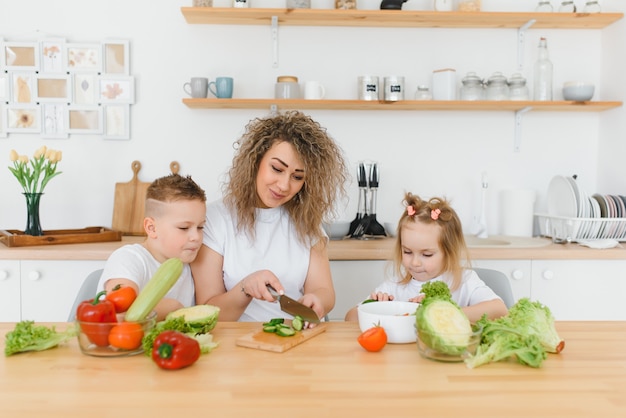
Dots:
(175, 214)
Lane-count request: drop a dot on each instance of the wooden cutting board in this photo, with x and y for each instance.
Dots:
(128, 205)
(271, 342)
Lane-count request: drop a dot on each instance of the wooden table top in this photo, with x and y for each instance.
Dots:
(329, 375)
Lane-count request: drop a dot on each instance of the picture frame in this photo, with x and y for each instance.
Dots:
(84, 86)
(84, 119)
(52, 58)
(83, 57)
(116, 121)
(5, 91)
(23, 87)
(120, 89)
(22, 56)
(116, 57)
(54, 120)
(23, 118)
(53, 88)
(3, 121)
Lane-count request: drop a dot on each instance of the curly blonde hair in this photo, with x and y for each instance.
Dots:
(451, 240)
(324, 165)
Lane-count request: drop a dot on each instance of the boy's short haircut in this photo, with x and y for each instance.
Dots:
(172, 188)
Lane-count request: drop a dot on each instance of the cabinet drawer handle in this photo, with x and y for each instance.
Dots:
(517, 274)
(548, 274)
(34, 275)
(4, 274)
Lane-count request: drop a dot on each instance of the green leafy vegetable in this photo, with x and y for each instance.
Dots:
(195, 322)
(440, 322)
(30, 337)
(536, 318)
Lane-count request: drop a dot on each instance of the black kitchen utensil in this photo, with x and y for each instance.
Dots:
(362, 182)
(374, 227)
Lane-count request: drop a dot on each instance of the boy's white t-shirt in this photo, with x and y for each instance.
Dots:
(471, 291)
(135, 263)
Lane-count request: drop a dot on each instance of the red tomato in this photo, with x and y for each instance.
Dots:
(373, 339)
(126, 335)
(122, 297)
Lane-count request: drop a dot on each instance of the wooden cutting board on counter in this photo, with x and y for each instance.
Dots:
(128, 204)
(268, 341)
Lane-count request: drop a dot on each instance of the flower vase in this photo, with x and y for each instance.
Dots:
(33, 225)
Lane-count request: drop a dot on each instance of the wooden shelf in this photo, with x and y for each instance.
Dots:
(397, 18)
(483, 105)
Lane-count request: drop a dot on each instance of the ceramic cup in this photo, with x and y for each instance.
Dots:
(222, 87)
(394, 88)
(368, 87)
(197, 87)
(314, 90)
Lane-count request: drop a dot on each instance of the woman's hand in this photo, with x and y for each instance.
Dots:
(314, 302)
(255, 285)
(381, 297)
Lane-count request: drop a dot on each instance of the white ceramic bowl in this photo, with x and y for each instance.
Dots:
(337, 230)
(397, 318)
(578, 91)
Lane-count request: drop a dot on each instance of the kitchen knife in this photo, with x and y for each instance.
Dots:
(293, 307)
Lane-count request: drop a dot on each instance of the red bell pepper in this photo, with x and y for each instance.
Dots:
(96, 318)
(174, 350)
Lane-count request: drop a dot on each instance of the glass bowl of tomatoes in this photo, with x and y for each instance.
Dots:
(397, 318)
(114, 339)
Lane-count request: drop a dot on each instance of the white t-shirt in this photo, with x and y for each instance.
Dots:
(276, 247)
(471, 291)
(135, 263)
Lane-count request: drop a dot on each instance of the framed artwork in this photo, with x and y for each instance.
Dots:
(116, 121)
(4, 88)
(84, 120)
(23, 56)
(53, 88)
(52, 56)
(84, 87)
(116, 57)
(3, 121)
(116, 89)
(23, 118)
(23, 87)
(83, 57)
(54, 120)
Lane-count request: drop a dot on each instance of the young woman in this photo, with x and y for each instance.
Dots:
(285, 178)
(430, 246)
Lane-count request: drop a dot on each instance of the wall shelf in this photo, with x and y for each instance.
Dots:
(397, 18)
(438, 105)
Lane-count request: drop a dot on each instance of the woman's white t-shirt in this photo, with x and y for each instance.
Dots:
(275, 247)
(471, 291)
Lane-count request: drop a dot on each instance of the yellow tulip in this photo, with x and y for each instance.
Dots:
(23, 159)
(13, 156)
(41, 151)
(54, 156)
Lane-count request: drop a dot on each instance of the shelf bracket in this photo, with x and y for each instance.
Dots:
(275, 41)
(273, 110)
(518, 127)
(521, 38)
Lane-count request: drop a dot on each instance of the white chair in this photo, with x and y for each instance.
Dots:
(87, 291)
(499, 283)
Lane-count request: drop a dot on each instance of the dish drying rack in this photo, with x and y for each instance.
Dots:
(562, 228)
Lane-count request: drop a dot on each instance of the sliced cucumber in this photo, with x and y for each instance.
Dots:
(269, 328)
(285, 331)
(297, 323)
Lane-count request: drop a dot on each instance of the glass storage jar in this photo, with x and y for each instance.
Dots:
(423, 93)
(472, 87)
(567, 6)
(592, 6)
(517, 87)
(544, 7)
(497, 87)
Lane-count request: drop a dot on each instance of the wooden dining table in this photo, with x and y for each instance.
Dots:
(329, 375)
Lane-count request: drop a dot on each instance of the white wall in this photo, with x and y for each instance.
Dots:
(428, 153)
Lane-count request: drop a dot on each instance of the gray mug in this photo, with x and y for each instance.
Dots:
(197, 87)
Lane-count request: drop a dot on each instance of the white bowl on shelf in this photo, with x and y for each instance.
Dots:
(579, 91)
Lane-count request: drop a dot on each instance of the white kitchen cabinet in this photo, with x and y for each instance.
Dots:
(581, 289)
(48, 288)
(518, 272)
(9, 290)
(354, 281)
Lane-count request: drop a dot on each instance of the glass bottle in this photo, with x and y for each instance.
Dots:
(544, 7)
(497, 88)
(472, 87)
(592, 6)
(542, 81)
(567, 6)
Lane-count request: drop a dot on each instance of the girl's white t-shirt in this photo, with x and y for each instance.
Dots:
(275, 247)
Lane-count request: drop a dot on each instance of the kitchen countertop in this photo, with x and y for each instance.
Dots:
(347, 249)
(327, 376)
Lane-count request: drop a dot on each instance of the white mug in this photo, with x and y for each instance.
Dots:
(443, 5)
(197, 87)
(313, 90)
(367, 86)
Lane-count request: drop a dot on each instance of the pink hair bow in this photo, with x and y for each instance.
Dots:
(434, 214)
(410, 210)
